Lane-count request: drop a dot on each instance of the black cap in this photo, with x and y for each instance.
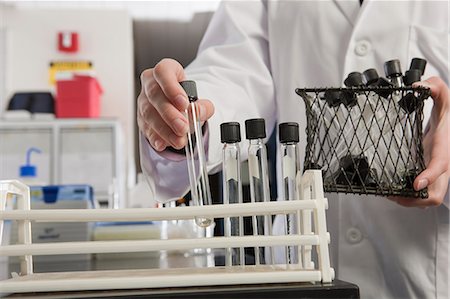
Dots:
(230, 132)
(392, 68)
(255, 128)
(333, 97)
(288, 132)
(411, 76)
(418, 64)
(354, 79)
(191, 90)
(370, 76)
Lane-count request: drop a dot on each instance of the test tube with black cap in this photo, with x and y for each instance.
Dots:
(195, 154)
(230, 135)
(371, 79)
(363, 109)
(393, 71)
(397, 123)
(255, 130)
(354, 79)
(418, 64)
(289, 138)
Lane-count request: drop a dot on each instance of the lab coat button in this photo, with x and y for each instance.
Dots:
(354, 235)
(362, 48)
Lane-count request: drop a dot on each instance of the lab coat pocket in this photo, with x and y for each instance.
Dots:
(431, 44)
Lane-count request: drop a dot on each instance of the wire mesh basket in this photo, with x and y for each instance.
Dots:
(366, 140)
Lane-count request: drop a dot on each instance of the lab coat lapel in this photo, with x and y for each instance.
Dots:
(350, 9)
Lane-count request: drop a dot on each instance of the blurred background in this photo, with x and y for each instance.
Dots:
(69, 78)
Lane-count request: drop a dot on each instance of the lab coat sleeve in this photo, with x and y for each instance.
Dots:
(232, 69)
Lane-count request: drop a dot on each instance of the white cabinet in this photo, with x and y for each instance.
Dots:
(81, 151)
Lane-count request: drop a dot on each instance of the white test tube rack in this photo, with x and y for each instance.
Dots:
(310, 208)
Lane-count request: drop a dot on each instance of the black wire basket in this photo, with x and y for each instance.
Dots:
(366, 140)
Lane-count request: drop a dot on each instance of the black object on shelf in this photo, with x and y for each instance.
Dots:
(34, 102)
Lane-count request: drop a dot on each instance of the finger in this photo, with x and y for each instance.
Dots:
(206, 109)
(152, 137)
(418, 202)
(168, 73)
(438, 88)
(156, 141)
(436, 193)
(169, 113)
(436, 168)
(156, 123)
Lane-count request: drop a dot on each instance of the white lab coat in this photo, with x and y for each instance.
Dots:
(254, 55)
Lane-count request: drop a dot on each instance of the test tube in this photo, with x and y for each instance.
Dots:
(195, 154)
(255, 130)
(289, 137)
(409, 104)
(230, 135)
(393, 71)
(394, 125)
(418, 64)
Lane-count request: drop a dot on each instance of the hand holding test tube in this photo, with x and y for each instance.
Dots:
(195, 154)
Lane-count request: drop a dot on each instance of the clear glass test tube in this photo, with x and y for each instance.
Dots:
(232, 187)
(289, 138)
(195, 154)
(259, 182)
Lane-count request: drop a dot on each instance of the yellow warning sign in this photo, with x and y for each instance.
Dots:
(66, 66)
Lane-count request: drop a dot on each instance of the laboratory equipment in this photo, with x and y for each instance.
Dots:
(54, 197)
(371, 79)
(418, 64)
(382, 167)
(255, 130)
(27, 281)
(195, 154)
(28, 171)
(289, 138)
(230, 136)
(72, 150)
(393, 71)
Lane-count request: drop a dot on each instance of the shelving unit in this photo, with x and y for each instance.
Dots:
(74, 151)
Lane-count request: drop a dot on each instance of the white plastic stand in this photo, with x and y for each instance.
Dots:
(311, 207)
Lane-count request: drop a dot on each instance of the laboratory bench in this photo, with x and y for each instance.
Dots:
(336, 289)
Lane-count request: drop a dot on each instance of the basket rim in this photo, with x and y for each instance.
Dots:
(364, 88)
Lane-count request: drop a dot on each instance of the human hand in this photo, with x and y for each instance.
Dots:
(161, 105)
(436, 145)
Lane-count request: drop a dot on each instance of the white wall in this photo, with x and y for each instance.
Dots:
(106, 39)
(2, 54)
(180, 10)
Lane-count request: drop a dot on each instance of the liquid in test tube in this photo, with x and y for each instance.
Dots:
(289, 137)
(230, 135)
(255, 130)
(195, 154)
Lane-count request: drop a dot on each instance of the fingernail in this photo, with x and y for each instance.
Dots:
(181, 102)
(158, 145)
(176, 141)
(422, 184)
(180, 126)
